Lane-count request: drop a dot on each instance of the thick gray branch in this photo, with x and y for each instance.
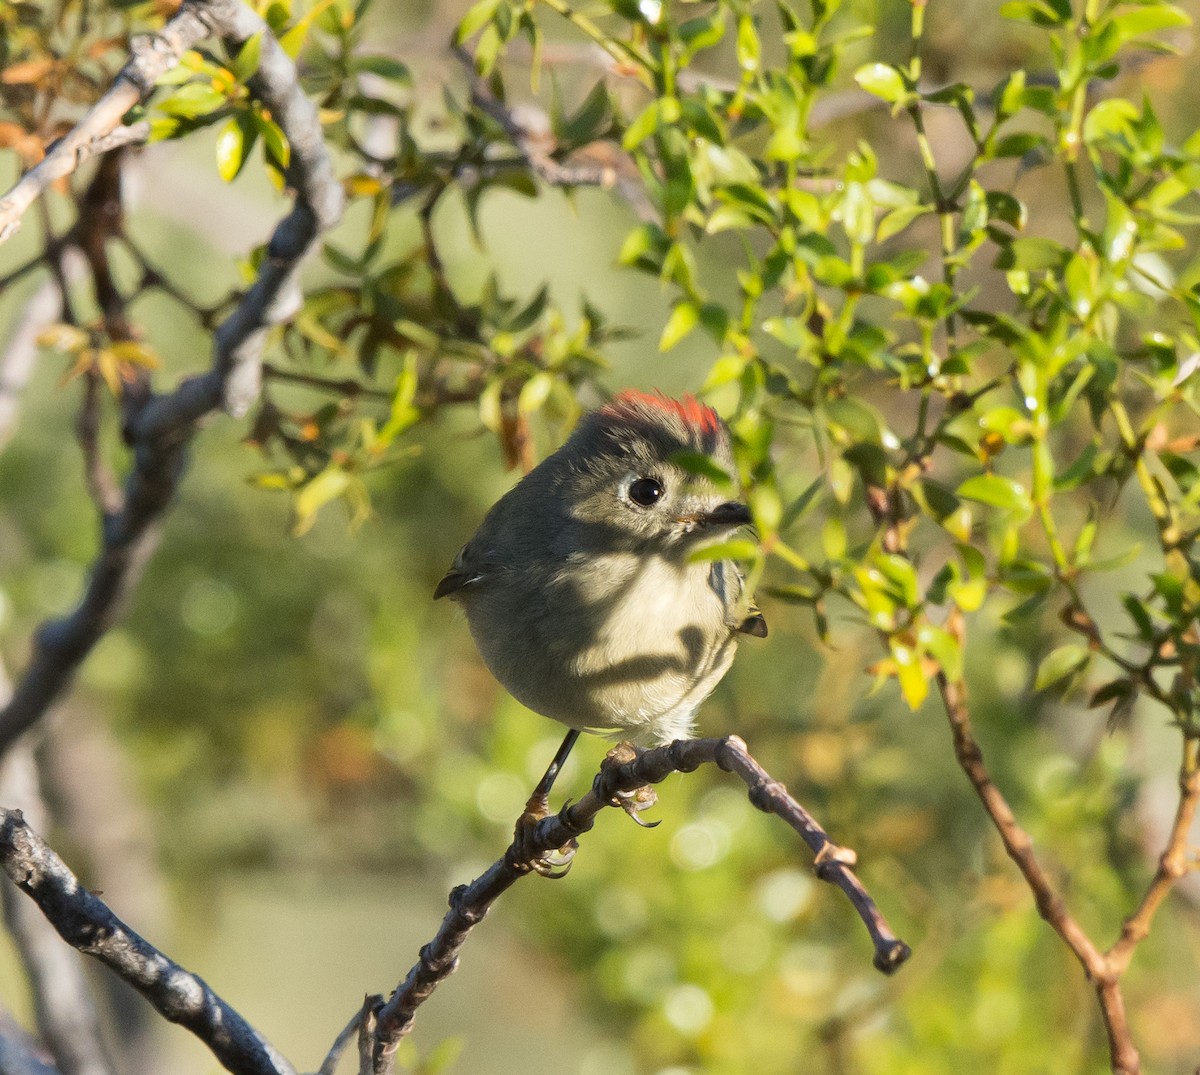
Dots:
(66, 1015)
(86, 923)
(160, 427)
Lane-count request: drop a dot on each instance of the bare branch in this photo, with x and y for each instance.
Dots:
(1050, 905)
(622, 773)
(86, 923)
(160, 427)
(153, 55)
(1172, 864)
(66, 1014)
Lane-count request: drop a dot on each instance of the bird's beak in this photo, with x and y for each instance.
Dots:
(731, 513)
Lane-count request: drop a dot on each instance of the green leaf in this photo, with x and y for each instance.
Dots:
(331, 483)
(703, 466)
(274, 140)
(883, 81)
(645, 248)
(1060, 663)
(998, 492)
(245, 64)
(193, 100)
(535, 392)
(943, 647)
(742, 549)
(385, 67)
(233, 147)
(914, 685)
(899, 219)
(683, 319)
(478, 15)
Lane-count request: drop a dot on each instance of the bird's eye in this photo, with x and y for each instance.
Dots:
(645, 491)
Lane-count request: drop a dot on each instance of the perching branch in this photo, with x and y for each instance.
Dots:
(86, 923)
(160, 427)
(623, 773)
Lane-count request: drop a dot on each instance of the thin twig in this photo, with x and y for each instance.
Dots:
(86, 923)
(346, 386)
(1050, 905)
(621, 774)
(99, 131)
(1172, 863)
(348, 1034)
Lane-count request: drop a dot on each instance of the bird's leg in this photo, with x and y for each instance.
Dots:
(539, 801)
(546, 863)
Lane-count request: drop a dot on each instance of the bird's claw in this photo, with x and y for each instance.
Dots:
(639, 799)
(553, 863)
(634, 802)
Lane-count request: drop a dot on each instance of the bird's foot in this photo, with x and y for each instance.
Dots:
(639, 799)
(553, 863)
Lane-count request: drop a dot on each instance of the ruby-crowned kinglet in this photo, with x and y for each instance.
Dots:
(580, 588)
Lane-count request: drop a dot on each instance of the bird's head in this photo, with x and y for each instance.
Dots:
(626, 471)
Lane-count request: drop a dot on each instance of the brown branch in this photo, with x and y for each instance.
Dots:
(1050, 905)
(86, 923)
(341, 386)
(1172, 863)
(160, 427)
(534, 146)
(622, 774)
(102, 485)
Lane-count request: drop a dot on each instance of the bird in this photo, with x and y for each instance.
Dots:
(580, 586)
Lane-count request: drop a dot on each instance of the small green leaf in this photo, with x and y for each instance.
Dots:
(245, 64)
(883, 81)
(331, 483)
(738, 549)
(998, 492)
(683, 319)
(914, 685)
(1060, 663)
(535, 392)
(233, 147)
(478, 15)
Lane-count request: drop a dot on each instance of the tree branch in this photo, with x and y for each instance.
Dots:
(86, 923)
(623, 773)
(63, 1005)
(160, 427)
(153, 56)
(1050, 905)
(1172, 864)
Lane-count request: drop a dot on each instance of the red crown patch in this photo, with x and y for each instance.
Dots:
(689, 410)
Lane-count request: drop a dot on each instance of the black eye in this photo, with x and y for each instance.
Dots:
(645, 491)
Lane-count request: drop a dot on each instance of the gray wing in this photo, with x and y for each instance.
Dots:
(465, 571)
(727, 580)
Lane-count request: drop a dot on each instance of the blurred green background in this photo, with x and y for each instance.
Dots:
(292, 754)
